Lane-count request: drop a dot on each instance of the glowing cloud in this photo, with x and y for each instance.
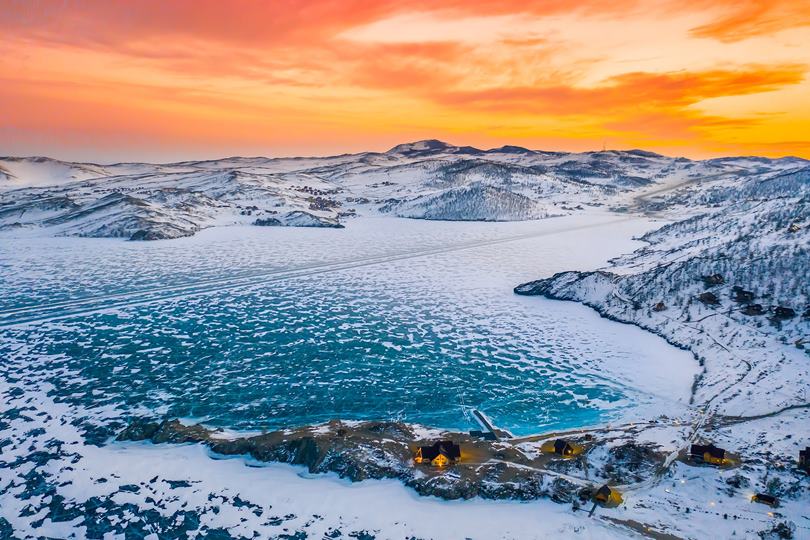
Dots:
(166, 80)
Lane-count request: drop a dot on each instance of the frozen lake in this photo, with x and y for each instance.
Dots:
(265, 328)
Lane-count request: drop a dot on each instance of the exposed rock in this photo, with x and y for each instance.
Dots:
(139, 430)
(267, 222)
(299, 218)
(375, 450)
(632, 462)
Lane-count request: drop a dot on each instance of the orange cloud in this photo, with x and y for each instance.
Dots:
(308, 76)
(629, 91)
(746, 18)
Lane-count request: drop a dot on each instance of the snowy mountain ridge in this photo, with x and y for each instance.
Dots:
(424, 180)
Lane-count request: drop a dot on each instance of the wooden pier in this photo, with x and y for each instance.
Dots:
(486, 424)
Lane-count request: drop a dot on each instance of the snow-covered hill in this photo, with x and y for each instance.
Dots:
(729, 280)
(732, 274)
(426, 179)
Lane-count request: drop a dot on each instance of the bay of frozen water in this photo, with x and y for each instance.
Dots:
(252, 328)
(265, 328)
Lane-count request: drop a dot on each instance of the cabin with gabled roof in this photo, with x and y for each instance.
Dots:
(742, 296)
(709, 298)
(764, 498)
(607, 496)
(439, 454)
(708, 453)
(753, 310)
(712, 280)
(562, 447)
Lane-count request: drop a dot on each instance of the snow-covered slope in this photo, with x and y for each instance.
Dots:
(426, 179)
(728, 279)
(732, 276)
(475, 202)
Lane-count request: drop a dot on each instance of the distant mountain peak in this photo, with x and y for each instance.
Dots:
(511, 149)
(421, 147)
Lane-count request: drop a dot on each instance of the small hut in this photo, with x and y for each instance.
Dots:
(708, 298)
(607, 496)
(753, 310)
(712, 280)
(804, 460)
(439, 454)
(562, 447)
(708, 453)
(742, 296)
(782, 312)
(660, 306)
(763, 498)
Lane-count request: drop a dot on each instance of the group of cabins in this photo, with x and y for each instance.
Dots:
(741, 296)
(445, 453)
(713, 455)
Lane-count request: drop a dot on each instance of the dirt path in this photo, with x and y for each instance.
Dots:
(731, 420)
(642, 199)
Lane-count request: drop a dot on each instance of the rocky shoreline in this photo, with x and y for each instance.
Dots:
(357, 451)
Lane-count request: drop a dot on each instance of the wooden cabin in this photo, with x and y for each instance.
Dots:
(708, 453)
(804, 460)
(660, 306)
(714, 279)
(607, 496)
(782, 312)
(763, 498)
(439, 454)
(753, 310)
(562, 447)
(742, 296)
(708, 298)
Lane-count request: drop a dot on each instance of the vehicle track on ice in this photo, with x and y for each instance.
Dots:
(95, 304)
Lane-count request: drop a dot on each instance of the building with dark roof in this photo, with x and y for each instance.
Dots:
(708, 453)
(764, 498)
(440, 453)
(607, 496)
(562, 447)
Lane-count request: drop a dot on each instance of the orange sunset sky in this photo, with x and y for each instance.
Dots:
(172, 80)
